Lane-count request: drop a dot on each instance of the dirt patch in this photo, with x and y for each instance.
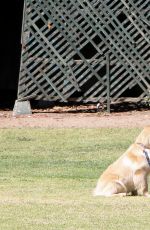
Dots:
(76, 117)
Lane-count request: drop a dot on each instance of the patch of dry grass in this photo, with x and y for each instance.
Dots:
(47, 177)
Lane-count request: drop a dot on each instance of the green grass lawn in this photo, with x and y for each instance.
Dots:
(47, 177)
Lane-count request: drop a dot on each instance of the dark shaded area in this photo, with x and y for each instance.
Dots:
(39, 106)
(73, 107)
(7, 98)
(10, 47)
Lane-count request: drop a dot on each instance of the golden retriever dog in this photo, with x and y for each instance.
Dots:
(144, 137)
(128, 174)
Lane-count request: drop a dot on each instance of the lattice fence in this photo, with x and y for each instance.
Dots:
(65, 45)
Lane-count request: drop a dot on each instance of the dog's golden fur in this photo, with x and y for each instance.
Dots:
(128, 174)
(144, 137)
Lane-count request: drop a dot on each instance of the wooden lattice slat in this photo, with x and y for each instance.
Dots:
(65, 45)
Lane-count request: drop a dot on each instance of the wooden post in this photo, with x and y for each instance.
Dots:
(108, 81)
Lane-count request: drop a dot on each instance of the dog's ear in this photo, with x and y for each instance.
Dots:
(144, 137)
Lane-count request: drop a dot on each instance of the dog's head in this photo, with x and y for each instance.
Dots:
(144, 137)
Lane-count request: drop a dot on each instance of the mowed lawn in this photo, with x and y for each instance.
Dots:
(47, 177)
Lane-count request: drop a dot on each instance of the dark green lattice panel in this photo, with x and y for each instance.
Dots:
(65, 44)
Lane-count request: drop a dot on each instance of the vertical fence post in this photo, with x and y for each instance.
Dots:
(108, 81)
